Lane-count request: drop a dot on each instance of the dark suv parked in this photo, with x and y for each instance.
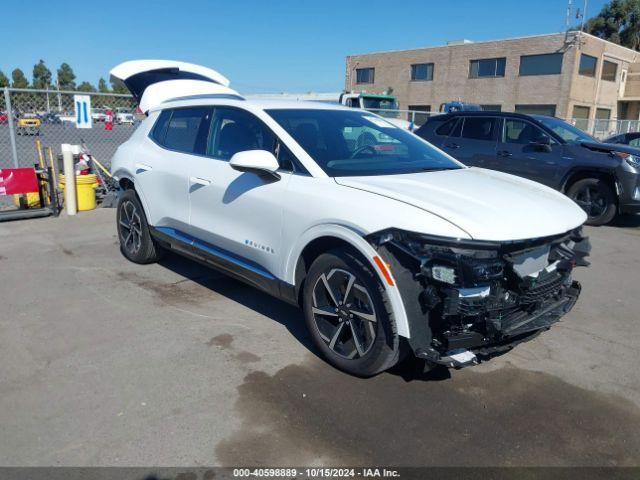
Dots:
(602, 178)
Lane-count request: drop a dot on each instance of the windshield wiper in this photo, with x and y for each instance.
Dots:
(438, 169)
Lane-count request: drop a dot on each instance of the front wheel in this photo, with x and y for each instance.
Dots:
(596, 198)
(348, 316)
(136, 242)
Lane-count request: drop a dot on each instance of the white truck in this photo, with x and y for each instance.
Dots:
(381, 104)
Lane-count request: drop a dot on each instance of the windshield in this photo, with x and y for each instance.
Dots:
(350, 143)
(379, 103)
(567, 132)
(386, 107)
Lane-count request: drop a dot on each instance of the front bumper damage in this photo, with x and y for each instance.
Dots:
(467, 301)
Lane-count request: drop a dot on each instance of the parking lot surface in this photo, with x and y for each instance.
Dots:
(103, 362)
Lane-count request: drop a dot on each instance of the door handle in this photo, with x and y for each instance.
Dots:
(143, 166)
(199, 181)
(504, 153)
(452, 145)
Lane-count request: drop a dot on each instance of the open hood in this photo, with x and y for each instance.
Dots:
(153, 82)
(486, 204)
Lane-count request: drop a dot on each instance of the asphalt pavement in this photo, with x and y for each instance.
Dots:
(103, 362)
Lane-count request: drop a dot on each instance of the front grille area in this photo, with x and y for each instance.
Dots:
(542, 288)
(512, 305)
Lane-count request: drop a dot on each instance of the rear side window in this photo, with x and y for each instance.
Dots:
(160, 128)
(479, 128)
(187, 130)
(446, 128)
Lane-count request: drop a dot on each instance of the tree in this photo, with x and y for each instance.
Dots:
(66, 77)
(618, 22)
(86, 87)
(118, 87)
(4, 81)
(41, 76)
(102, 86)
(18, 80)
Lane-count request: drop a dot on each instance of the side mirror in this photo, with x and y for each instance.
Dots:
(543, 144)
(259, 162)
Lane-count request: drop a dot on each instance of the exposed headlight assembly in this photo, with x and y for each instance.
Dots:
(632, 160)
(449, 261)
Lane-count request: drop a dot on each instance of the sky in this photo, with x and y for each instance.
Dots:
(261, 46)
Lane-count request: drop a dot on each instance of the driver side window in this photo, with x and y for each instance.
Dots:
(522, 133)
(234, 130)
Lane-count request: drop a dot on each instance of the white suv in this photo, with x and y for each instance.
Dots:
(389, 245)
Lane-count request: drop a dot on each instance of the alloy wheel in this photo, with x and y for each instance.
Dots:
(130, 227)
(344, 314)
(592, 200)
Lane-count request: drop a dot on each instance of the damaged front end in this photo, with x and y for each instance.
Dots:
(467, 299)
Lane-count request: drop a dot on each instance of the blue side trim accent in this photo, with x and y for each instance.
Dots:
(215, 251)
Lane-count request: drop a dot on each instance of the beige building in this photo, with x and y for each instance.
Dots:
(573, 75)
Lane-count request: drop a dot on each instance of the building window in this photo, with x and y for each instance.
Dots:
(580, 112)
(588, 65)
(365, 75)
(491, 108)
(545, 64)
(416, 117)
(609, 71)
(487, 67)
(548, 110)
(422, 72)
(581, 117)
(603, 116)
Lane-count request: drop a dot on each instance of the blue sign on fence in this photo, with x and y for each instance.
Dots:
(83, 111)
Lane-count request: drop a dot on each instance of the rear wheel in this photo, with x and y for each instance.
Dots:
(596, 198)
(136, 242)
(347, 314)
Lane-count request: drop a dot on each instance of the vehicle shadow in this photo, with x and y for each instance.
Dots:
(287, 315)
(410, 369)
(626, 221)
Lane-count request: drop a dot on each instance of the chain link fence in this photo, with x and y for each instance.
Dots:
(603, 129)
(48, 115)
(29, 115)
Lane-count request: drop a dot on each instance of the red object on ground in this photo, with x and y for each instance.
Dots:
(18, 180)
(108, 121)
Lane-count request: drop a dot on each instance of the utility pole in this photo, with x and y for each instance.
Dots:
(584, 13)
(59, 100)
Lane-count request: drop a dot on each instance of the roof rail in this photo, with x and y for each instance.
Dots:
(227, 96)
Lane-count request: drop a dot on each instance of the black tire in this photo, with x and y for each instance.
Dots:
(372, 354)
(596, 198)
(136, 243)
